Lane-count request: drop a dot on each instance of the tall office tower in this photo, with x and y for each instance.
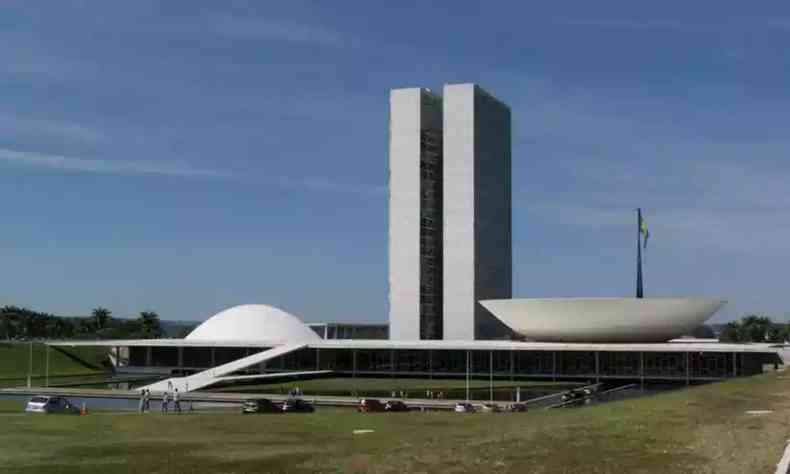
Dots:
(415, 215)
(477, 211)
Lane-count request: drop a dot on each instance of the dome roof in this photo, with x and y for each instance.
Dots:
(253, 322)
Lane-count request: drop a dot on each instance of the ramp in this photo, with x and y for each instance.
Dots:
(217, 374)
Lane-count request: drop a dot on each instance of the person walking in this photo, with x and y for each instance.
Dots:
(176, 402)
(142, 401)
(165, 402)
(147, 406)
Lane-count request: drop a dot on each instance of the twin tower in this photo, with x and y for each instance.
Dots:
(449, 213)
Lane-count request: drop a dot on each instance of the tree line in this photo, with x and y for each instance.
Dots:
(23, 323)
(754, 328)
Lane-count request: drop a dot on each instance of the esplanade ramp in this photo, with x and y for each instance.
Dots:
(218, 374)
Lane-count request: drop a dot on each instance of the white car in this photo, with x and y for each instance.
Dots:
(464, 407)
(47, 404)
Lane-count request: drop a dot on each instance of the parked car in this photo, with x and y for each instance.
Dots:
(490, 408)
(395, 405)
(517, 407)
(297, 405)
(260, 405)
(464, 407)
(47, 404)
(367, 405)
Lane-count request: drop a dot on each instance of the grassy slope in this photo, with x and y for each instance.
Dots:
(703, 429)
(15, 358)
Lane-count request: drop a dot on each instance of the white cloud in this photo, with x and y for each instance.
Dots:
(14, 125)
(183, 170)
(279, 30)
(746, 25)
(107, 166)
(707, 179)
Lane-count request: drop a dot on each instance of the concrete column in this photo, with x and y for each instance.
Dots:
(467, 375)
(180, 357)
(317, 359)
(430, 364)
(491, 375)
(512, 364)
(597, 367)
(148, 356)
(734, 364)
(353, 363)
(392, 362)
(688, 370)
(554, 366)
(642, 370)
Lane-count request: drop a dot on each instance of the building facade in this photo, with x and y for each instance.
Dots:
(449, 213)
(415, 215)
(477, 211)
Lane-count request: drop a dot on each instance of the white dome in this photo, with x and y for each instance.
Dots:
(253, 322)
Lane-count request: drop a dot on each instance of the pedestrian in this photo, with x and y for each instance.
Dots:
(142, 401)
(176, 402)
(165, 402)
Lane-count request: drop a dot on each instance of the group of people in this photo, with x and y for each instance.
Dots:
(428, 394)
(145, 401)
(295, 392)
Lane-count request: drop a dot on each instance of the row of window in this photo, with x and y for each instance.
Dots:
(455, 361)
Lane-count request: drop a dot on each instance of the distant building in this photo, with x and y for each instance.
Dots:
(350, 330)
(260, 342)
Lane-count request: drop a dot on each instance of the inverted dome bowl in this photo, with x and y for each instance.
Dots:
(603, 319)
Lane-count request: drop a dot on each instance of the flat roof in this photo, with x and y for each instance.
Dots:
(675, 346)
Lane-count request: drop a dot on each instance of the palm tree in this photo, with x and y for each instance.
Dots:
(101, 316)
(149, 324)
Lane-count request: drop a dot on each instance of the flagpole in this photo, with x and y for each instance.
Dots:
(639, 289)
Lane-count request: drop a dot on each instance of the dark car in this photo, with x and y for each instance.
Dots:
(260, 405)
(518, 407)
(47, 404)
(368, 405)
(395, 405)
(297, 405)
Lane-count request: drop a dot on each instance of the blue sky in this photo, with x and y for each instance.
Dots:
(188, 156)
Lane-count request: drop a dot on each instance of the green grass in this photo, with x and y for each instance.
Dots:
(700, 430)
(15, 360)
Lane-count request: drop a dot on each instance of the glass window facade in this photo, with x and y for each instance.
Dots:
(431, 234)
(453, 363)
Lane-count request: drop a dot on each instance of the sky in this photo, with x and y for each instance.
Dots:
(187, 156)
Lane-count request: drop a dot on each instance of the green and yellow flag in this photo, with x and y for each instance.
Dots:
(643, 229)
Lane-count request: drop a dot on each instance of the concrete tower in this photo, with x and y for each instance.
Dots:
(415, 215)
(477, 211)
(449, 213)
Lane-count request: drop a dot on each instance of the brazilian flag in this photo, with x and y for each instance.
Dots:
(643, 229)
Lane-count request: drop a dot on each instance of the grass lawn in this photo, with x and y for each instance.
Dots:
(15, 359)
(703, 429)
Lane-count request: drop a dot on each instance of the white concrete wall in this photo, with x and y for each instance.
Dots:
(459, 212)
(408, 115)
(477, 211)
